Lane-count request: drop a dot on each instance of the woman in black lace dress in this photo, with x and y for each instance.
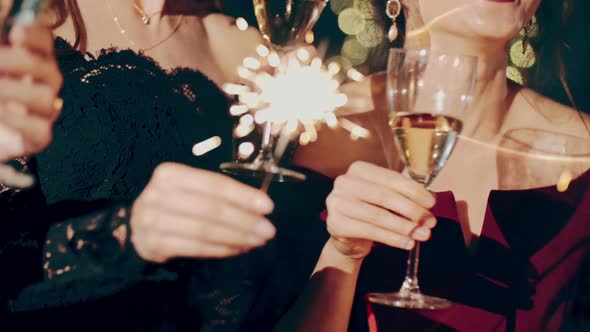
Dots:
(124, 201)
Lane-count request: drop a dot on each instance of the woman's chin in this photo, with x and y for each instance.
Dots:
(487, 20)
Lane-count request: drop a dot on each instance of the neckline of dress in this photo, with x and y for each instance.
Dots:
(105, 52)
(472, 249)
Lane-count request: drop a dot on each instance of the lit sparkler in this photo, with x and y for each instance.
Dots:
(295, 92)
(289, 95)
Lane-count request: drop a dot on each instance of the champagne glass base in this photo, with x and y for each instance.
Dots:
(260, 171)
(12, 178)
(409, 301)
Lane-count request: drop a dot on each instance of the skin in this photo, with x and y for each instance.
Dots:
(374, 204)
(224, 217)
(29, 85)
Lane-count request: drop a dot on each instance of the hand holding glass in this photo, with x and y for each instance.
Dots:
(429, 93)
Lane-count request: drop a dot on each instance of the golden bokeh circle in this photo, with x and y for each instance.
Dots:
(351, 21)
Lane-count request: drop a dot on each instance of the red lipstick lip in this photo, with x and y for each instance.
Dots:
(503, 0)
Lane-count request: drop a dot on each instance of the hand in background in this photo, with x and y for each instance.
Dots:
(30, 81)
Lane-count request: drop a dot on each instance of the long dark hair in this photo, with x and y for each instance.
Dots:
(69, 8)
(550, 75)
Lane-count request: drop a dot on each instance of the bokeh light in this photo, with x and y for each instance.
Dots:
(371, 36)
(351, 21)
(338, 6)
(354, 51)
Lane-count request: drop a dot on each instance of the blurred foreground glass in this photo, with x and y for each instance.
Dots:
(24, 13)
(532, 158)
(286, 22)
(429, 93)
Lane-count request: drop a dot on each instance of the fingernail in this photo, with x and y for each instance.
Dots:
(410, 244)
(431, 201)
(255, 240)
(421, 234)
(429, 221)
(264, 205)
(265, 229)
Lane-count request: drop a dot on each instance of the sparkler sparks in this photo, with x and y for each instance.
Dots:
(295, 92)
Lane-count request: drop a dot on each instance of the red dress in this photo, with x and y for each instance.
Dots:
(520, 277)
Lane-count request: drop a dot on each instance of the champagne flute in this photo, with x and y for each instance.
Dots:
(429, 92)
(283, 24)
(22, 12)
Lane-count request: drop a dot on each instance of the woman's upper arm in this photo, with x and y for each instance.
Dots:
(229, 45)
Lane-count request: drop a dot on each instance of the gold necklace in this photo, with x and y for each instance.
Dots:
(131, 43)
(145, 17)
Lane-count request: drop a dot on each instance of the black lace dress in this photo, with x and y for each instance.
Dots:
(65, 257)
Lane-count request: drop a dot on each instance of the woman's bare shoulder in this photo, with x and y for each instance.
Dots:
(229, 44)
(540, 111)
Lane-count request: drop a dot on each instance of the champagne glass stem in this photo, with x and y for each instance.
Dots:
(266, 153)
(410, 285)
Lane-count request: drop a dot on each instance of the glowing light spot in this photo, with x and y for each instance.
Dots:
(372, 35)
(355, 75)
(331, 120)
(514, 74)
(243, 130)
(354, 51)
(244, 72)
(236, 110)
(245, 150)
(262, 51)
(564, 181)
(234, 89)
(351, 21)
(251, 63)
(304, 138)
(246, 120)
(341, 100)
(309, 37)
(334, 68)
(303, 55)
(338, 6)
(292, 127)
(316, 63)
(274, 60)
(365, 8)
(355, 130)
(206, 146)
(242, 24)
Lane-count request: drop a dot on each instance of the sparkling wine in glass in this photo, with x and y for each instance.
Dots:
(283, 24)
(429, 93)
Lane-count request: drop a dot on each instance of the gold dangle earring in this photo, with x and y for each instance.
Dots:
(525, 38)
(393, 9)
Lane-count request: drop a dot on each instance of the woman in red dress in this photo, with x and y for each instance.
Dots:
(511, 230)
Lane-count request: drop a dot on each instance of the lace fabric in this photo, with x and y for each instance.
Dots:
(124, 115)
